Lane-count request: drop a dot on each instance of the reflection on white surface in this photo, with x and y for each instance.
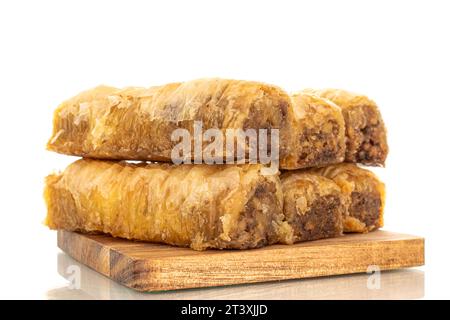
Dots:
(399, 284)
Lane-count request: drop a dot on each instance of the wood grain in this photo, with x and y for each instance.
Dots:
(154, 267)
(394, 284)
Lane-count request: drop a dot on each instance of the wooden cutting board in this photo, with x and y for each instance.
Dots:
(154, 267)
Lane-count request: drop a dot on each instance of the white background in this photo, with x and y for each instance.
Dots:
(397, 52)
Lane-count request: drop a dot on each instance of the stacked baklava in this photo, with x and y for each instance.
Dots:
(128, 186)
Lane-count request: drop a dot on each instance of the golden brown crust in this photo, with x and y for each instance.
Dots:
(200, 206)
(365, 130)
(364, 192)
(313, 205)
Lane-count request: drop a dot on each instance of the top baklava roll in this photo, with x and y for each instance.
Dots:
(315, 134)
(366, 140)
(138, 123)
(314, 128)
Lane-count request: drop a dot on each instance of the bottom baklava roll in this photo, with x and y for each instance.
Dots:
(314, 206)
(197, 206)
(221, 206)
(364, 195)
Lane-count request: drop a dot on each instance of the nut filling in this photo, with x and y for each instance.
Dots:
(255, 227)
(366, 207)
(366, 144)
(319, 147)
(323, 220)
